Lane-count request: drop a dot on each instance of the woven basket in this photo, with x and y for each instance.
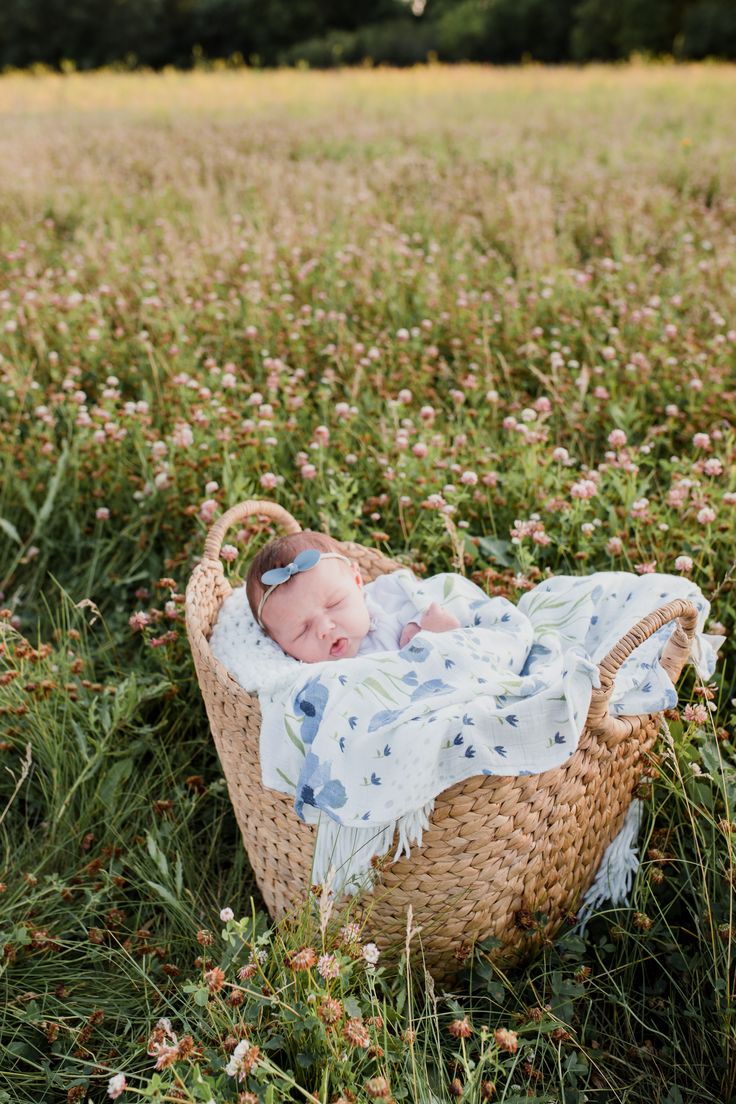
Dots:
(497, 848)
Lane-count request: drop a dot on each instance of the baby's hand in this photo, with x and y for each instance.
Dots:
(437, 619)
(408, 633)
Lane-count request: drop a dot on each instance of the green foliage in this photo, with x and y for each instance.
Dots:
(91, 33)
(446, 300)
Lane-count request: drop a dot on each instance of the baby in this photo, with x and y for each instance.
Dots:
(309, 597)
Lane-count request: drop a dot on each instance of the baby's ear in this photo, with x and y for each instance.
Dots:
(358, 576)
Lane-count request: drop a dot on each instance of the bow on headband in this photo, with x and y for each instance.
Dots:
(304, 561)
(310, 557)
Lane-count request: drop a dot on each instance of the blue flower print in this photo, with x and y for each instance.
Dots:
(430, 689)
(559, 738)
(410, 678)
(458, 740)
(310, 702)
(375, 780)
(449, 664)
(415, 652)
(511, 719)
(316, 788)
(500, 750)
(470, 752)
(341, 743)
(467, 719)
(383, 718)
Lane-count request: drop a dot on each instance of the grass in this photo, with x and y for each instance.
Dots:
(470, 277)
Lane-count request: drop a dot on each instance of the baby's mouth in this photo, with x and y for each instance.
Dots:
(339, 647)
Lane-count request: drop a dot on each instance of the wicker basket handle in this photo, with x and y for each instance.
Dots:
(244, 510)
(612, 730)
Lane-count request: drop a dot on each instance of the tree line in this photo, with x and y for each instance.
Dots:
(324, 33)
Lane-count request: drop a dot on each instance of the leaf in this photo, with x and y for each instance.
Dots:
(56, 480)
(500, 551)
(352, 1007)
(201, 997)
(164, 893)
(118, 774)
(10, 529)
(375, 686)
(293, 737)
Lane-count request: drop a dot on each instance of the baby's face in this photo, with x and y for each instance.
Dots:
(319, 614)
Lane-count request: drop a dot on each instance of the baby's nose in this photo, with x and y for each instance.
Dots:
(326, 625)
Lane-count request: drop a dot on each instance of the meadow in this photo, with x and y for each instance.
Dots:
(482, 319)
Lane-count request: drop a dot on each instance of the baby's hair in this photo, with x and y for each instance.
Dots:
(278, 553)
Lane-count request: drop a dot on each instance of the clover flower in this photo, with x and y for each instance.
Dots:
(506, 1040)
(116, 1086)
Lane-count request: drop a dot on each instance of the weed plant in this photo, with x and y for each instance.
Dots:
(482, 320)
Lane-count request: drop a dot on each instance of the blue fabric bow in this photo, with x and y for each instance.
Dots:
(310, 557)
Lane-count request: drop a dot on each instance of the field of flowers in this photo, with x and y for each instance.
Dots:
(482, 319)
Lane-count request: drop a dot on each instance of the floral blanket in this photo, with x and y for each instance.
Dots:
(366, 744)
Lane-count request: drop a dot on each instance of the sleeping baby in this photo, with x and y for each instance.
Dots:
(309, 597)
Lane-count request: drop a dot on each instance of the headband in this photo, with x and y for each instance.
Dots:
(304, 561)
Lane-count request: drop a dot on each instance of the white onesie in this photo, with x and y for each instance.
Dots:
(390, 609)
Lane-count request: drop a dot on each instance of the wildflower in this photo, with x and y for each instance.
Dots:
(138, 621)
(182, 436)
(487, 1090)
(640, 508)
(469, 478)
(460, 1029)
(350, 933)
(617, 438)
(377, 1088)
(642, 921)
(302, 959)
(207, 510)
(355, 1032)
(370, 953)
(215, 979)
(205, 938)
(268, 481)
(308, 471)
(684, 564)
(506, 1040)
(226, 914)
(328, 966)
(456, 1087)
(330, 1011)
(646, 568)
(244, 1059)
(116, 1086)
(706, 515)
(695, 714)
(420, 450)
(248, 971)
(102, 513)
(585, 488)
(228, 553)
(701, 441)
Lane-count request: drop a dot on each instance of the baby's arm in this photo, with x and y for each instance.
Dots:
(434, 619)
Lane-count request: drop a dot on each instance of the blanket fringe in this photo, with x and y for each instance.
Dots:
(344, 855)
(618, 867)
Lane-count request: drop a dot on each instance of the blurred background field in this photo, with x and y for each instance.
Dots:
(387, 300)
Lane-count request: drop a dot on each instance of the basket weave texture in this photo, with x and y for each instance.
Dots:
(498, 848)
